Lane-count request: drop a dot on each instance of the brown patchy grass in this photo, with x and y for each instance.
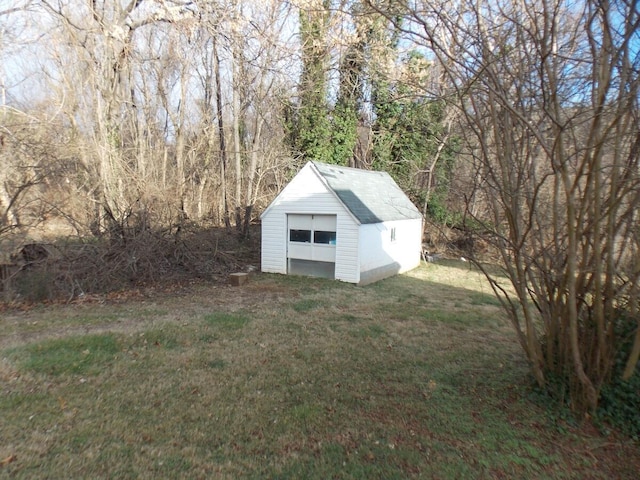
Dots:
(417, 376)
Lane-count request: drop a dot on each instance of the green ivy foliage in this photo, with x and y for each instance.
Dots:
(407, 132)
(619, 399)
(310, 128)
(314, 133)
(344, 134)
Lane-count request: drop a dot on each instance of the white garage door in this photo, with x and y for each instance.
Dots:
(312, 237)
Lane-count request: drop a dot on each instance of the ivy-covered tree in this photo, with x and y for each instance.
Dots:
(411, 139)
(348, 107)
(311, 128)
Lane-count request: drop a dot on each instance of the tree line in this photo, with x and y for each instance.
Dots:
(516, 122)
(202, 109)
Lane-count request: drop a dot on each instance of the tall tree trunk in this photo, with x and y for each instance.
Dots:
(221, 136)
(251, 175)
(237, 146)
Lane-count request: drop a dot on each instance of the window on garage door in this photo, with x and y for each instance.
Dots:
(302, 236)
(325, 237)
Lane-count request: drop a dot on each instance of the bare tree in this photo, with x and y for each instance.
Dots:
(24, 166)
(20, 169)
(548, 96)
(95, 55)
(263, 79)
(250, 62)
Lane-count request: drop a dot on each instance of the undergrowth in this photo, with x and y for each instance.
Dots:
(620, 399)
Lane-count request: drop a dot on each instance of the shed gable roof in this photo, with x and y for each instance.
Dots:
(371, 196)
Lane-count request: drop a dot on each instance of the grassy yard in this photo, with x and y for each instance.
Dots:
(417, 376)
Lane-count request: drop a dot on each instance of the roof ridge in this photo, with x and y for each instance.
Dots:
(344, 167)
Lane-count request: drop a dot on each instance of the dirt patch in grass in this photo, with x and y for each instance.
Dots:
(416, 376)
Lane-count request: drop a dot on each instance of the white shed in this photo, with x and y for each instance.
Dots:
(344, 223)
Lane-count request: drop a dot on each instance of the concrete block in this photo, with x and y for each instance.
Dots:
(237, 279)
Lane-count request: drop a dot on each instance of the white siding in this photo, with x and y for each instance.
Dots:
(347, 266)
(408, 245)
(307, 194)
(380, 256)
(274, 245)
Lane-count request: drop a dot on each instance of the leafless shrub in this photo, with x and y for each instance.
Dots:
(548, 100)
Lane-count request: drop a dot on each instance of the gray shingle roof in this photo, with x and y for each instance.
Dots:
(371, 196)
